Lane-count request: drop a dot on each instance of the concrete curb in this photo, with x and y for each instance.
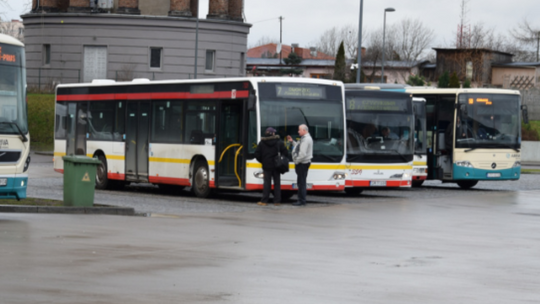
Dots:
(67, 210)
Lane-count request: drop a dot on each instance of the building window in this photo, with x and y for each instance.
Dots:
(155, 57)
(242, 63)
(21, 31)
(46, 54)
(210, 61)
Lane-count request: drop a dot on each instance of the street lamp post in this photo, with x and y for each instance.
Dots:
(359, 43)
(389, 9)
(196, 41)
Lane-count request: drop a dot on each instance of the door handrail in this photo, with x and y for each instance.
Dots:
(223, 153)
(236, 167)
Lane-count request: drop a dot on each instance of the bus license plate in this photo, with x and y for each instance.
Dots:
(295, 186)
(378, 183)
(3, 181)
(493, 175)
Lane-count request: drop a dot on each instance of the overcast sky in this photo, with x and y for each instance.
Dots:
(305, 20)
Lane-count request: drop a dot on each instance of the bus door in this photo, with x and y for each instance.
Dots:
(440, 117)
(230, 145)
(137, 124)
(76, 129)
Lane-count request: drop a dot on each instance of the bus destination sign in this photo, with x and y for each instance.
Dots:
(7, 57)
(382, 105)
(304, 92)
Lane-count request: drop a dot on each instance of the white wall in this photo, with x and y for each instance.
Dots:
(530, 151)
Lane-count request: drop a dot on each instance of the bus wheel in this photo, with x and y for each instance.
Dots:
(467, 184)
(287, 194)
(417, 183)
(101, 174)
(201, 186)
(353, 191)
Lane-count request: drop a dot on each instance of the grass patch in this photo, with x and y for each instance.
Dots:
(32, 202)
(530, 171)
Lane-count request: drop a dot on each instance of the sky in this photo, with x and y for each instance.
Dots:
(305, 20)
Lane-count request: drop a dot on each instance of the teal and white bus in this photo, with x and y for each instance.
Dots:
(472, 134)
(14, 137)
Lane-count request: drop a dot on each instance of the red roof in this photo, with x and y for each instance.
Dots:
(268, 50)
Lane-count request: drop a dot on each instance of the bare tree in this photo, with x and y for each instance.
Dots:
(263, 41)
(329, 41)
(413, 38)
(4, 6)
(528, 35)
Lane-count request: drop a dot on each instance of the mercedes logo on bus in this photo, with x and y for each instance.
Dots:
(493, 166)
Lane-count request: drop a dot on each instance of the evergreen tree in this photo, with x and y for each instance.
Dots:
(340, 65)
(467, 83)
(444, 80)
(415, 80)
(454, 81)
(292, 60)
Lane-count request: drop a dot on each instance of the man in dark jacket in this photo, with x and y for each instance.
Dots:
(266, 152)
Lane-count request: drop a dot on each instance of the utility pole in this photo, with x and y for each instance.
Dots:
(359, 43)
(280, 37)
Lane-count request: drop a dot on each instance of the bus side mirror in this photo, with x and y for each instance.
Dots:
(525, 114)
(251, 102)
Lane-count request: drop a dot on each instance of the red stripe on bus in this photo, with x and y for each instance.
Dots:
(169, 180)
(420, 177)
(59, 170)
(366, 184)
(289, 187)
(116, 176)
(153, 96)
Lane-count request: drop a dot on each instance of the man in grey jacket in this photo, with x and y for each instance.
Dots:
(302, 155)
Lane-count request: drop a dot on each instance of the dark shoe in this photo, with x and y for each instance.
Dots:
(298, 204)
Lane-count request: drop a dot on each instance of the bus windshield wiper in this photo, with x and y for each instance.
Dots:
(24, 138)
(471, 149)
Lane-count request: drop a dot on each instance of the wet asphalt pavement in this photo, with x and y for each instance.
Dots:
(436, 244)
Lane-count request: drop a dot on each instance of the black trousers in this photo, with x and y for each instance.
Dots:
(301, 173)
(268, 176)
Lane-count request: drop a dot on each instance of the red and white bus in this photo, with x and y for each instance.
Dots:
(199, 133)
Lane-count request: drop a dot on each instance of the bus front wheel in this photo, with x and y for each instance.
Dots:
(201, 176)
(467, 184)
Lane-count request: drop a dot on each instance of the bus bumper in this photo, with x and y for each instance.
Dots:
(15, 187)
(467, 173)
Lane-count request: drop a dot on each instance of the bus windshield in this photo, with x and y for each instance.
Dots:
(379, 128)
(488, 121)
(12, 90)
(320, 107)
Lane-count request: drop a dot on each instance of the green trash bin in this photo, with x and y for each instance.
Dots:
(79, 180)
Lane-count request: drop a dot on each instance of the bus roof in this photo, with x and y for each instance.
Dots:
(459, 91)
(139, 82)
(10, 40)
(381, 86)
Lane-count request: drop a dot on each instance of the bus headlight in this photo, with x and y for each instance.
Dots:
(406, 176)
(517, 164)
(26, 164)
(464, 163)
(339, 175)
(259, 174)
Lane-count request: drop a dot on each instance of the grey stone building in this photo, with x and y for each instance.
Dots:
(71, 41)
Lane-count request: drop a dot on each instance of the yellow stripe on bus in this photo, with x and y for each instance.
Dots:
(59, 154)
(313, 166)
(175, 160)
(420, 163)
(380, 167)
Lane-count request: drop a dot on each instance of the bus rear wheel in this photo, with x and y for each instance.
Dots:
(353, 191)
(201, 176)
(102, 181)
(467, 184)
